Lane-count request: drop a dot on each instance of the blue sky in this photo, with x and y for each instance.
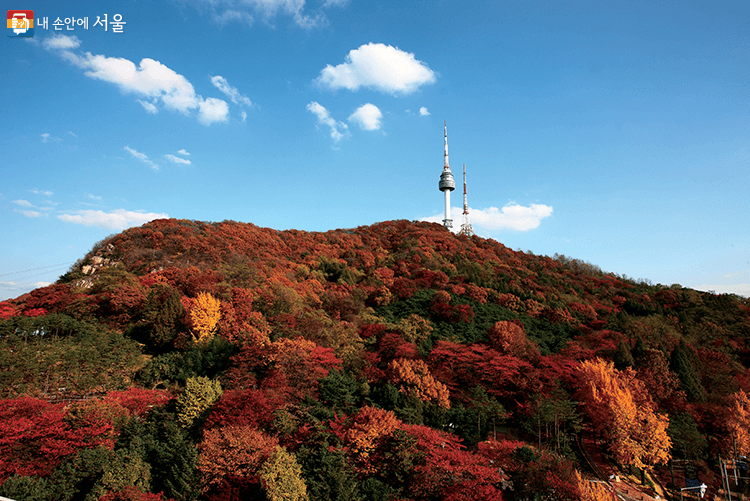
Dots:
(612, 132)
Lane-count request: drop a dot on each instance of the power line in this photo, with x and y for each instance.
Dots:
(37, 269)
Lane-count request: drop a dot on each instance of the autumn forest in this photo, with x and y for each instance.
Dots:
(185, 361)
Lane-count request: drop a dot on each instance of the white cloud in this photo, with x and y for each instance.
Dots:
(742, 289)
(423, 111)
(380, 67)
(71, 133)
(116, 220)
(511, 217)
(46, 193)
(212, 110)
(231, 92)
(243, 114)
(149, 107)
(183, 152)
(177, 160)
(324, 118)
(246, 11)
(30, 213)
(367, 116)
(93, 197)
(27, 206)
(46, 137)
(142, 157)
(61, 42)
(229, 16)
(22, 286)
(150, 80)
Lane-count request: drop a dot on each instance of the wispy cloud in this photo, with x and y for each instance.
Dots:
(30, 210)
(367, 116)
(377, 66)
(423, 111)
(47, 137)
(46, 193)
(177, 160)
(247, 11)
(183, 152)
(338, 129)
(153, 82)
(119, 219)
(30, 213)
(231, 92)
(61, 42)
(24, 286)
(149, 107)
(511, 217)
(142, 157)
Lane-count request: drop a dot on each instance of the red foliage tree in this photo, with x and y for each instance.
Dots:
(449, 470)
(7, 310)
(35, 436)
(139, 401)
(249, 407)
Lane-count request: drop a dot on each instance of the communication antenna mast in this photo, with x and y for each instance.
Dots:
(466, 228)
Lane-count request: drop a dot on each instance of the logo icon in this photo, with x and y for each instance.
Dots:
(20, 23)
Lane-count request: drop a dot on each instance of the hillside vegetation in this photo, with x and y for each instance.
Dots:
(222, 361)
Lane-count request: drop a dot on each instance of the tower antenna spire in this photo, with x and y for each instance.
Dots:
(447, 183)
(445, 163)
(466, 228)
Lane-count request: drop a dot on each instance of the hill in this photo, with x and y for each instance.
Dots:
(189, 360)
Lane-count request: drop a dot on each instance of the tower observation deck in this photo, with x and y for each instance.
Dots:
(447, 183)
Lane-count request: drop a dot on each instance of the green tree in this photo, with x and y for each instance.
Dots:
(161, 318)
(681, 362)
(281, 477)
(687, 441)
(623, 358)
(199, 395)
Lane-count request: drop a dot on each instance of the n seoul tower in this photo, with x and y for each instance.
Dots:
(447, 184)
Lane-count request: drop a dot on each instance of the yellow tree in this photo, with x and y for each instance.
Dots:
(281, 477)
(414, 378)
(623, 412)
(593, 490)
(738, 423)
(205, 313)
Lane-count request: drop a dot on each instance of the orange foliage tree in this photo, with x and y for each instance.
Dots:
(237, 451)
(738, 424)
(303, 363)
(364, 433)
(205, 313)
(623, 412)
(593, 490)
(413, 377)
(509, 338)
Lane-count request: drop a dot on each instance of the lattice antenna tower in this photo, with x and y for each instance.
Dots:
(466, 228)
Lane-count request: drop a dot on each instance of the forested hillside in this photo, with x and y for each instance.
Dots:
(222, 361)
